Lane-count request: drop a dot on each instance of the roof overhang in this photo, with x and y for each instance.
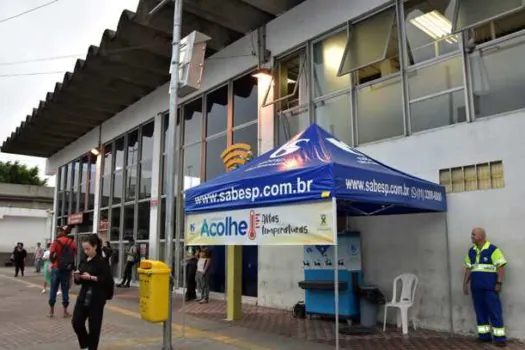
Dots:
(128, 64)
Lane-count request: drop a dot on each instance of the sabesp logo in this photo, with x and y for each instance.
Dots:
(288, 148)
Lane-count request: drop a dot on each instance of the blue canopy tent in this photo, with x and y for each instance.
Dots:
(315, 166)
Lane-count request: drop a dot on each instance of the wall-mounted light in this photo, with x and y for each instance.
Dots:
(262, 73)
(95, 152)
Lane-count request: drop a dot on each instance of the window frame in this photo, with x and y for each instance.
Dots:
(456, 30)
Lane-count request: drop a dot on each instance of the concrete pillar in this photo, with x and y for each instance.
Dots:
(156, 191)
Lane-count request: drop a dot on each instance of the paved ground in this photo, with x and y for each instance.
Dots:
(23, 325)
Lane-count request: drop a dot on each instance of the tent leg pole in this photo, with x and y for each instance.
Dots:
(336, 291)
(449, 268)
(234, 283)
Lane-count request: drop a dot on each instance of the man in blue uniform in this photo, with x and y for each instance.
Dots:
(485, 270)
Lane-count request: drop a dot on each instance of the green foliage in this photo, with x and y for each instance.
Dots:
(16, 173)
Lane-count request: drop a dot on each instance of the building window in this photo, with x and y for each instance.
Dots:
(193, 122)
(115, 224)
(118, 171)
(247, 135)
(143, 220)
(132, 160)
(245, 96)
(483, 176)
(191, 166)
(372, 48)
(469, 13)
(291, 95)
(129, 222)
(327, 55)
(437, 96)
(429, 29)
(214, 164)
(106, 176)
(146, 160)
(377, 121)
(217, 111)
(334, 116)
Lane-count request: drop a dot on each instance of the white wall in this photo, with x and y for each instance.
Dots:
(500, 211)
(28, 226)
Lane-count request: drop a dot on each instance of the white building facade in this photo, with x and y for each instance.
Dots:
(390, 78)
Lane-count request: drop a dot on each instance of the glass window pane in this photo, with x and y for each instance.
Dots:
(438, 111)
(334, 116)
(435, 78)
(74, 201)
(191, 165)
(145, 178)
(63, 177)
(327, 58)
(470, 12)
(165, 176)
(147, 141)
(115, 224)
(69, 181)
(245, 99)
(107, 159)
(429, 28)
(60, 203)
(458, 180)
(117, 187)
(497, 174)
(84, 166)
(471, 178)
(91, 195)
(133, 148)
(143, 221)
(129, 221)
(214, 164)
(484, 182)
(162, 224)
(368, 41)
(247, 135)
(217, 111)
(131, 183)
(106, 188)
(193, 122)
(82, 205)
(377, 121)
(76, 173)
(119, 154)
(445, 179)
(166, 129)
(290, 123)
(498, 78)
(290, 72)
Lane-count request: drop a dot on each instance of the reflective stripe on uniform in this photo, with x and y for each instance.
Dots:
(484, 329)
(484, 268)
(498, 332)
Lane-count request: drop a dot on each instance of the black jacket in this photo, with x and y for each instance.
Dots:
(19, 255)
(98, 266)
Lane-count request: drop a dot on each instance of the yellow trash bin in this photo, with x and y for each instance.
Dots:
(154, 278)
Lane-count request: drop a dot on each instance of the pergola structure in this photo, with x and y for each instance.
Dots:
(128, 64)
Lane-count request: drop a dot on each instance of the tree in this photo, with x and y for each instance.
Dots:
(16, 173)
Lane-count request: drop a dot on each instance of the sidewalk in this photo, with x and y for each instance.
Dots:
(260, 329)
(24, 325)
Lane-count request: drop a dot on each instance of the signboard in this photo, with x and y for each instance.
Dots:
(236, 155)
(300, 224)
(75, 219)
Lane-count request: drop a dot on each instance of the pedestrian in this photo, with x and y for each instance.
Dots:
(131, 260)
(39, 253)
(484, 274)
(191, 275)
(19, 257)
(107, 252)
(63, 251)
(94, 276)
(203, 276)
(47, 268)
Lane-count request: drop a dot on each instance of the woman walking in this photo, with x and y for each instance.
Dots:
(94, 275)
(47, 268)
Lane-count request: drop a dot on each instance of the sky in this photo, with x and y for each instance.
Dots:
(63, 28)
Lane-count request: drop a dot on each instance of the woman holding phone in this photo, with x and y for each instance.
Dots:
(94, 275)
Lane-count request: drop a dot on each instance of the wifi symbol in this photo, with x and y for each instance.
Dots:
(236, 155)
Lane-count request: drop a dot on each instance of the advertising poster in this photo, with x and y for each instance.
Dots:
(299, 224)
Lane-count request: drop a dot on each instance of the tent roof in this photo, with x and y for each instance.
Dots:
(314, 165)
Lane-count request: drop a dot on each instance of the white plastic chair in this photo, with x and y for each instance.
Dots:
(406, 300)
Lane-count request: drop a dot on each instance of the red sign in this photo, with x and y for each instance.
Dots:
(75, 219)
